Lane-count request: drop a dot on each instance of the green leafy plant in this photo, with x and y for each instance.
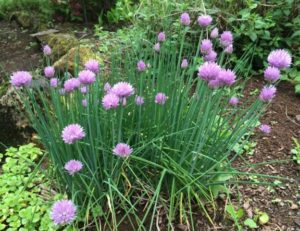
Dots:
(296, 151)
(24, 191)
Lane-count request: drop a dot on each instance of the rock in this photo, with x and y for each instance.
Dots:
(26, 19)
(60, 43)
(82, 54)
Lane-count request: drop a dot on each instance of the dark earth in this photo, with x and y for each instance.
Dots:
(21, 52)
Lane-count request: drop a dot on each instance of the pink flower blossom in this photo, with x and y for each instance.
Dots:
(63, 212)
(272, 74)
(161, 37)
(47, 50)
(122, 89)
(92, 65)
(110, 100)
(265, 128)
(73, 166)
(139, 100)
(211, 56)
(267, 93)
(54, 82)
(86, 77)
(226, 77)
(214, 33)
(185, 19)
(204, 20)
(160, 98)
(209, 71)
(156, 47)
(71, 84)
(233, 101)
(21, 79)
(184, 64)
(280, 58)
(206, 46)
(49, 71)
(71, 133)
(226, 38)
(122, 150)
(141, 66)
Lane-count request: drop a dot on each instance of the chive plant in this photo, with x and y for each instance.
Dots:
(154, 130)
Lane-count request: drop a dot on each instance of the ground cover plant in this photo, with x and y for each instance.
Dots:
(153, 131)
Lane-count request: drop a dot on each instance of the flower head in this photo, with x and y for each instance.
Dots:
(211, 56)
(84, 102)
(139, 100)
(122, 150)
(265, 128)
(226, 38)
(161, 36)
(107, 87)
(280, 58)
(141, 66)
(49, 71)
(214, 83)
(185, 19)
(206, 46)
(21, 79)
(63, 212)
(84, 89)
(209, 71)
(72, 133)
(160, 98)
(184, 63)
(228, 49)
(156, 47)
(226, 77)
(92, 65)
(233, 101)
(272, 74)
(122, 89)
(47, 50)
(73, 166)
(71, 84)
(110, 100)
(204, 20)
(86, 77)
(214, 33)
(267, 93)
(53, 82)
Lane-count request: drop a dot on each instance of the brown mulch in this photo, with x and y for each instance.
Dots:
(280, 202)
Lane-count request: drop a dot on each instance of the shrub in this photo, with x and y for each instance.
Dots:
(156, 135)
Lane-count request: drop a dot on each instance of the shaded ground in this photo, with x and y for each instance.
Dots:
(281, 203)
(18, 52)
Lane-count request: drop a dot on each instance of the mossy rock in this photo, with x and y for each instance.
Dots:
(75, 59)
(60, 43)
(26, 19)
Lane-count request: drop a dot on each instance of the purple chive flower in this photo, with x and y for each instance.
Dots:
(209, 71)
(214, 33)
(214, 83)
(204, 20)
(92, 65)
(272, 74)
(86, 77)
(73, 166)
(185, 19)
(62, 91)
(211, 56)
(72, 133)
(71, 84)
(184, 63)
(161, 36)
(122, 89)
(122, 150)
(233, 101)
(54, 82)
(160, 98)
(84, 102)
(228, 49)
(107, 87)
(139, 100)
(206, 46)
(110, 101)
(226, 77)
(63, 212)
(141, 66)
(265, 128)
(47, 50)
(49, 72)
(226, 38)
(84, 89)
(280, 58)
(21, 79)
(267, 93)
(156, 47)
